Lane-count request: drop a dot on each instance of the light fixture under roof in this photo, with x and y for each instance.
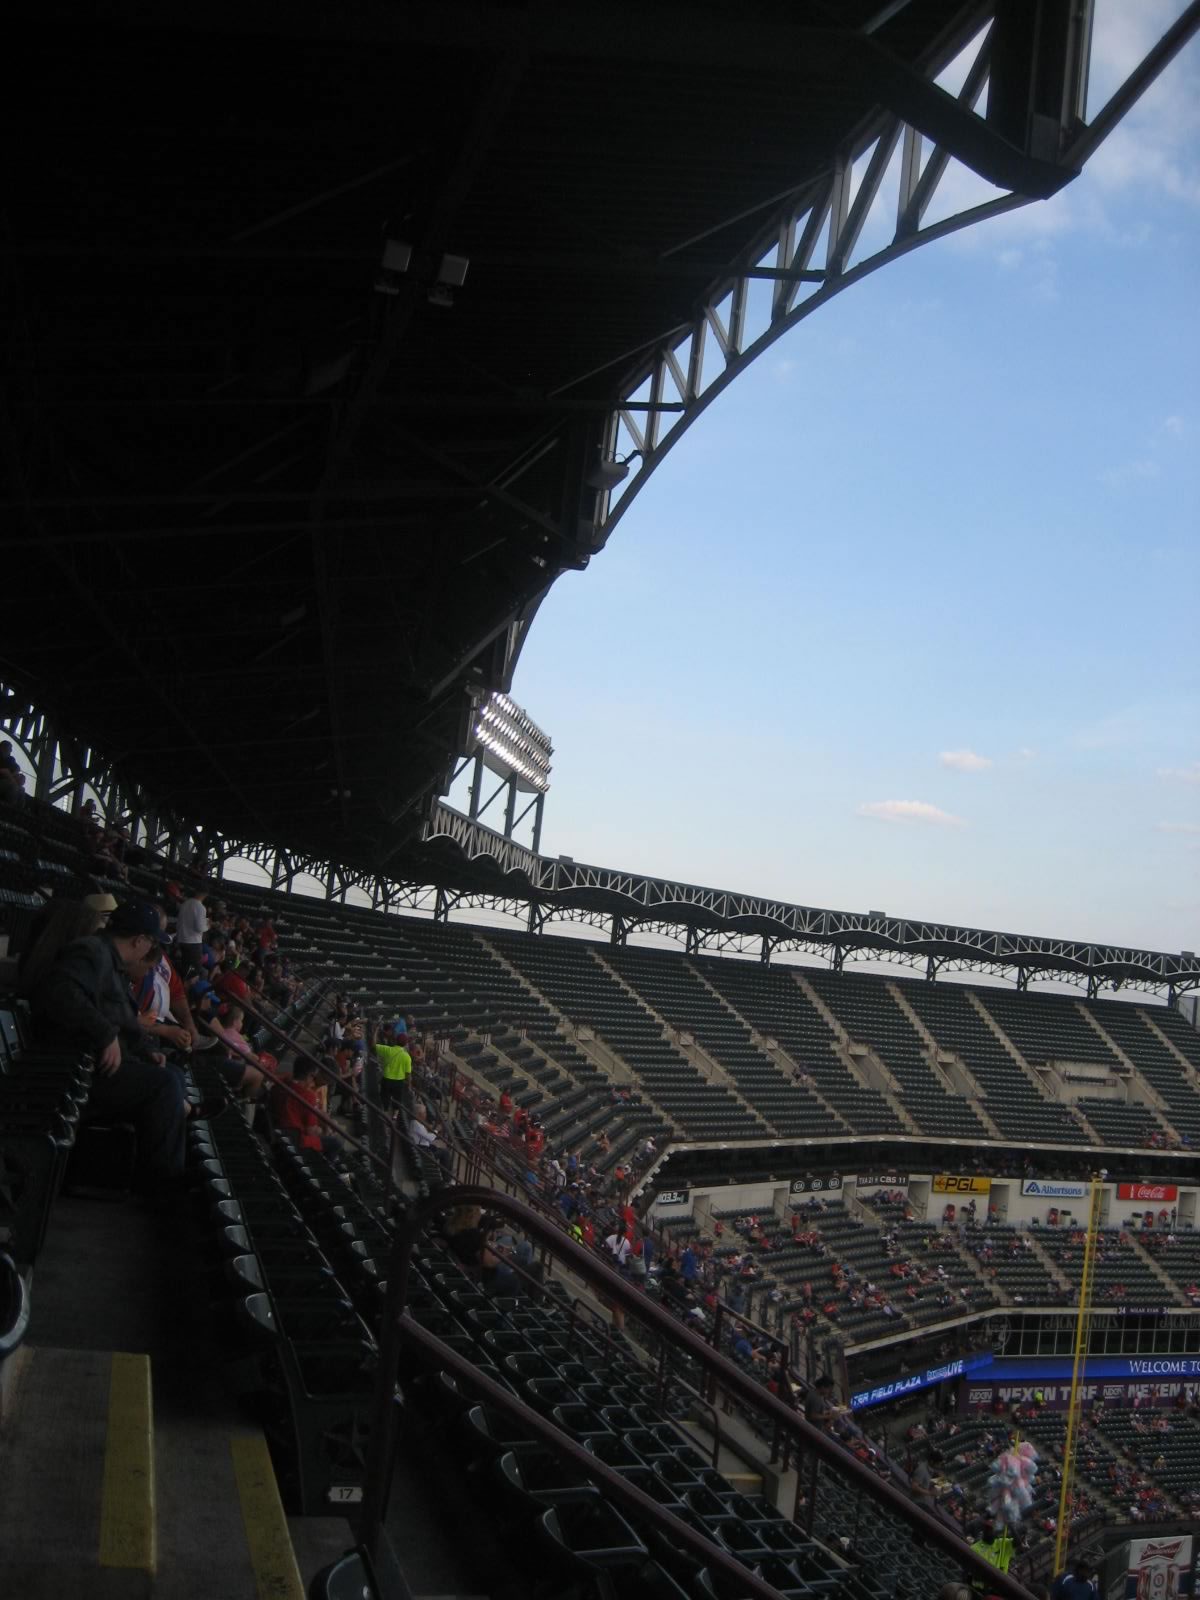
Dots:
(512, 744)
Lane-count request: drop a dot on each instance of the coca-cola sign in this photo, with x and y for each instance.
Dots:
(1147, 1191)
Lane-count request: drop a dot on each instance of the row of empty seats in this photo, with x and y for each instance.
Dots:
(871, 1016)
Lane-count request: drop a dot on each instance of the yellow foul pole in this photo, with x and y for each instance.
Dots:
(1083, 1324)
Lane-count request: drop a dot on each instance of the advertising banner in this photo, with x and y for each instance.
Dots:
(881, 1180)
(947, 1183)
(830, 1185)
(1159, 1569)
(1057, 1369)
(911, 1382)
(1156, 1192)
(979, 1395)
(1047, 1190)
(672, 1197)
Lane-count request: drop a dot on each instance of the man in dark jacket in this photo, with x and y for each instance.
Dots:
(84, 1001)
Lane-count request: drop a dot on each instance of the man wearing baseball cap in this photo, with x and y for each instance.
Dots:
(84, 1002)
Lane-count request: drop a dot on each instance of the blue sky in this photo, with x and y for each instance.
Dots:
(909, 619)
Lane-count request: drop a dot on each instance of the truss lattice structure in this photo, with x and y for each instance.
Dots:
(889, 191)
(720, 919)
(463, 865)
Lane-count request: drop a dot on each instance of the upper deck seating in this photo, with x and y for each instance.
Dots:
(871, 1016)
(683, 1000)
(771, 1000)
(1012, 1101)
(584, 991)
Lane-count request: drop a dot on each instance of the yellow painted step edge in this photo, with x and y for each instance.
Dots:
(276, 1575)
(127, 1522)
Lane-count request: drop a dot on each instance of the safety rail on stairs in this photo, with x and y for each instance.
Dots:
(815, 1449)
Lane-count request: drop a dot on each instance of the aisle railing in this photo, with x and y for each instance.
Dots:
(811, 1445)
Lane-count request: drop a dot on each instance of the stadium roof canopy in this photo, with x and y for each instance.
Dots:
(325, 320)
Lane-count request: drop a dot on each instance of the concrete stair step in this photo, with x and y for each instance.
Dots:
(77, 1487)
(100, 1497)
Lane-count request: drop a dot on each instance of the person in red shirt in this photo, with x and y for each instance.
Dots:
(298, 1116)
(506, 1104)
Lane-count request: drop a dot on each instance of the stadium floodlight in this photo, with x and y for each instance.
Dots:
(512, 745)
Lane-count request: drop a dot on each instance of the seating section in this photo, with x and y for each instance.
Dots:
(566, 972)
(1008, 1257)
(1121, 1123)
(1047, 1028)
(871, 1016)
(1013, 1102)
(1107, 1481)
(1164, 1449)
(465, 988)
(679, 995)
(867, 1281)
(771, 1000)
(300, 1354)
(1158, 1065)
(600, 1396)
(1180, 1032)
(1122, 1274)
(1177, 1256)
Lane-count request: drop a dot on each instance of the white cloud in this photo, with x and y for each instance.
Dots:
(908, 811)
(1151, 155)
(964, 761)
(1184, 774)
(1136, 471)
(1177, 827)
(1026, 754)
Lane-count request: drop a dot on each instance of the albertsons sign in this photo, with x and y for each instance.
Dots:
(1045, 1190)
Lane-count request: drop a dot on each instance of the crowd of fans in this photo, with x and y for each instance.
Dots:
(146, 984)
(112, 979)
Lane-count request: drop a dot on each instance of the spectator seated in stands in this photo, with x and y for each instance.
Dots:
(59, 923)
(298, 1117)
(426, 1137)
(469, 1234)
(84, 1002)
(163, 1010)
(242, 1061)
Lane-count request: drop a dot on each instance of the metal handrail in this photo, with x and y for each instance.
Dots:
(398, 1326)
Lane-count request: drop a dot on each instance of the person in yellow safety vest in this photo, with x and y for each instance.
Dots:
(576, 1233)
(996, 1547)
(395, 1066)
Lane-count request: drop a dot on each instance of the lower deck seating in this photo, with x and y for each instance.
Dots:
(1008, 1257)
(1122, 1276)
